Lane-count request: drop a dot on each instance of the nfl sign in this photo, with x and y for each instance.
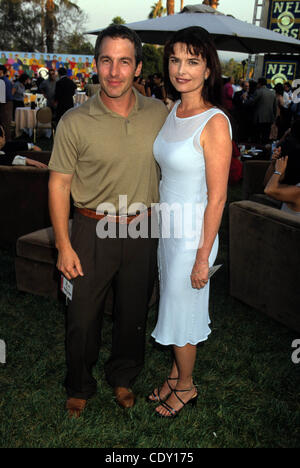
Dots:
(280, 69)
(284, 17)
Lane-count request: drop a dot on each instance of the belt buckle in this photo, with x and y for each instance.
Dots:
(122, 219)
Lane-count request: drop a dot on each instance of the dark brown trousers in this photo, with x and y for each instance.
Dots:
(129, 265)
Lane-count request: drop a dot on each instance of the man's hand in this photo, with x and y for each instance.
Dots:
(69, 264)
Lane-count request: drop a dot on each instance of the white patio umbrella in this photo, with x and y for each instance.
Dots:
(229, 34)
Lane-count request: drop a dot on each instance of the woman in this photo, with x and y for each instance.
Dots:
(18, 91)
(288, 194)
(282, 179)
(193, 150)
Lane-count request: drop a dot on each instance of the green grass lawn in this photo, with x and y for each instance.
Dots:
(248, 385)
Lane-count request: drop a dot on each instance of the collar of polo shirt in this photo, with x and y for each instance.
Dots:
(98, 108)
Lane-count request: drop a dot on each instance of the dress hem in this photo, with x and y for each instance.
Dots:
(181, 345)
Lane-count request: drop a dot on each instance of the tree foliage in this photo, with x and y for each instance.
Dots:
(118, 20)
(29, 25)
(232, 68)
(152, 59)
(74, 43)
(19, 26)
(157, 10)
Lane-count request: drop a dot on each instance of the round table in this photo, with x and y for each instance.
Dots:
(25, 119)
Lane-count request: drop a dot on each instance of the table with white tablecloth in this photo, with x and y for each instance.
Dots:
(79, 98)
(25, 119)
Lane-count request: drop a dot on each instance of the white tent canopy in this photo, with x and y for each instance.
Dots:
(229, 34)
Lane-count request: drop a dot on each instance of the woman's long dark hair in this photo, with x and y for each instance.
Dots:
(198, 42)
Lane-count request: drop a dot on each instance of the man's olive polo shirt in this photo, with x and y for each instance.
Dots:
(110, 155)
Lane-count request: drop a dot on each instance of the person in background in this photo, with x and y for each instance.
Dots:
(18, 91)
(289, 195)
(158, 89)
(7, 107)
(228, 94)
(2, 95)
(264, 108)
(8, 150)
(283, 117)
(137, 84)
(93, 87)
(241, 113)
(64, 92)
(47, 88)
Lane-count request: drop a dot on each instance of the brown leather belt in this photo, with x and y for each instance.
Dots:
(114, 219)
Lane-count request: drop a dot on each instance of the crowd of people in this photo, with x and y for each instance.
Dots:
(258, 114)
(57, 88)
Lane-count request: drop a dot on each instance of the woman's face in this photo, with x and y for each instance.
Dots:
(187, 72)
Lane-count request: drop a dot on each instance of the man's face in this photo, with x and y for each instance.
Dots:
(246, 87)
(52, 75)
(116, 67)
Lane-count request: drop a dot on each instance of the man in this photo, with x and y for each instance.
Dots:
(64, 92)
(2, 93)
(102, 150)
(264, 110)
(7, 107)
(241, 113)
(47, 88)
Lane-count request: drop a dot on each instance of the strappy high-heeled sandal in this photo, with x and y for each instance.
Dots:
(174, 413)
(157, 398)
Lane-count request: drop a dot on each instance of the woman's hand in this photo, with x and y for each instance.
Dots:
(281, 164)
(199, 275)
(276, 153)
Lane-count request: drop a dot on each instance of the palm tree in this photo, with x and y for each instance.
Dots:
(49, 10)
(170, 7)
(157, 10)
(212, 3)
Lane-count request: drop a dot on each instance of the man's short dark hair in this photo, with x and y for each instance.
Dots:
(62, 71)
(262, 81)
(3, 68)
(120, 31)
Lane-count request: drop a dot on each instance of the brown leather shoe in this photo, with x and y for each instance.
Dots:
(75, 407)
(124, 397)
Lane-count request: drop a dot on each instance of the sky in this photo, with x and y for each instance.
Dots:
(101, 12)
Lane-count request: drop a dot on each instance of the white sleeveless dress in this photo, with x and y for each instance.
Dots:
(183, 311)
